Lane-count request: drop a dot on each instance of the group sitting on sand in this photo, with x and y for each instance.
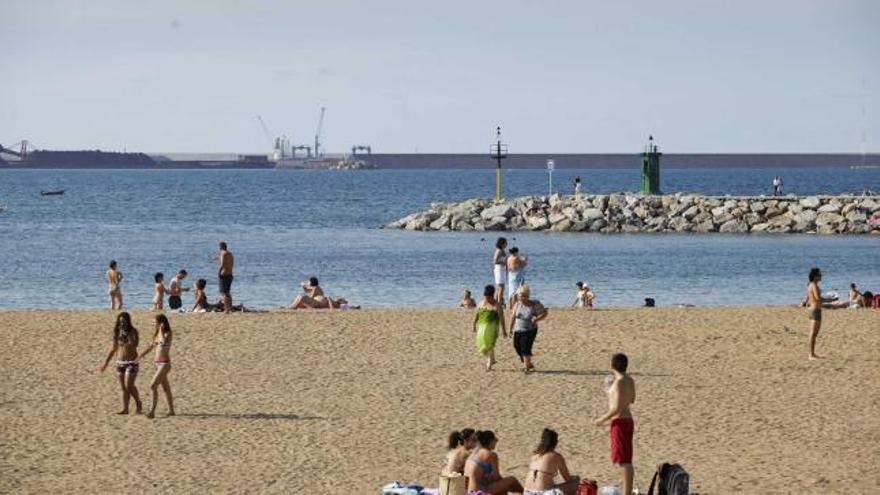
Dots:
(471, 454)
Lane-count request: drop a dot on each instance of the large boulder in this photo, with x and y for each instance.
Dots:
(870, 206)
(833, 207)
(704, 227)
(563, 225)
(555, 218)
(442, 222)
(598, 225)
(679, 224)
(734, 227)
(758, 207)
(828, 219)
(811, 202)
(538, 222)
(591, 214)
(856, 217)
(502, 210)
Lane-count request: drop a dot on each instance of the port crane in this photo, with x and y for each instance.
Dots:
(360, 147)
(307, 148)
(318, 132)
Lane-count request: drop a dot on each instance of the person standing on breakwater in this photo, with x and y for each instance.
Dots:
(490, 315)
(175, 289)
(516, 273)
(162, 344)
(224, 274)
(814, 302)
(125, 344)
(524, 319)
(621, 394)
(499, 261)
(114, 280)
(577, 186)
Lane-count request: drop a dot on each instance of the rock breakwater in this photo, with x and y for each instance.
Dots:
(631, 213)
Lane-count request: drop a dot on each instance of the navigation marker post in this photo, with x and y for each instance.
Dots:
(550, 167)
(651, 169)
(498, 151)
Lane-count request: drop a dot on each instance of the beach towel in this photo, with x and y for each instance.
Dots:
(397, 488)
(487, 330)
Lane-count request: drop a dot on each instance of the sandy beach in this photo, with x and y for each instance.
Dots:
(347, 401)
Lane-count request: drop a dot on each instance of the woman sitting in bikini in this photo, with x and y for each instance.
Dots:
(125, 344)
(313, 298)
(461, 443)
(202, 305)
(482, 469)
(162, 344)
(545, 465)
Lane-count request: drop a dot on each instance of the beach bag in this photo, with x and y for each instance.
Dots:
(588, 487)
(453, 484)
(670, 479)
(398, 488)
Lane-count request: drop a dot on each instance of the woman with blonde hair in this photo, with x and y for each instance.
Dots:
(524, 320)
(162, 344)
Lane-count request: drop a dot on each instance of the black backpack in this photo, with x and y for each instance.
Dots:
(670, 479)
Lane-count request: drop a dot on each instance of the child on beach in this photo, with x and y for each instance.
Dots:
(162, 343)
(584, 297)
(125, 344)
(159, 294)
(467, 301)
(114, 279)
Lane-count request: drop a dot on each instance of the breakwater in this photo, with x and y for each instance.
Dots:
(634, 213)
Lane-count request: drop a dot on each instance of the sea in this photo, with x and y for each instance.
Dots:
(285, 226)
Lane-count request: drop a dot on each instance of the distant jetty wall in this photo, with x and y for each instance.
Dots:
(632, 213)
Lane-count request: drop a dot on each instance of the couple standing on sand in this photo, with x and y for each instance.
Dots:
(473, 453)
(524, 318)
(125, 349)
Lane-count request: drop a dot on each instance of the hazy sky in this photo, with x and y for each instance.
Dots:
(558, 76)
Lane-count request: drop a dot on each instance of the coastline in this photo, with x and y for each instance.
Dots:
(341, 402)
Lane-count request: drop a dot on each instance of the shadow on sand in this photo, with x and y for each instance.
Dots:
(290, 417)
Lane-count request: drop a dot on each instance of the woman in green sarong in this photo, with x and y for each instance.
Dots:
(490, 315)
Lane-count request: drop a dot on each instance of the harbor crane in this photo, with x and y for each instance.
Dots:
(307, 148)
(318, 132)
(24, 146)
(360, 147)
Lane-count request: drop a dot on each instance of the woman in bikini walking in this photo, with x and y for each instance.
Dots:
(162, 344)
(125, 344)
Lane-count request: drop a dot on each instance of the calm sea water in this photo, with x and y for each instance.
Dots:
(284, 226)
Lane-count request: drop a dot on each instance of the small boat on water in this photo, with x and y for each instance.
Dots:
(52, 193)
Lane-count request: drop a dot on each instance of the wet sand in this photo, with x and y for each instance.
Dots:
(347, 401)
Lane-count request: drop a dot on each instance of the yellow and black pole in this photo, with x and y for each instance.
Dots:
(498, 152)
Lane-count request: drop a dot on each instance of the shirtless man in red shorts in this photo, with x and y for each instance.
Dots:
(621, 394)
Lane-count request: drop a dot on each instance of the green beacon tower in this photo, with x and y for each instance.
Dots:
(651, 169)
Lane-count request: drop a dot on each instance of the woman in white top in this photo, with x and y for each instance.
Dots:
(499, 260)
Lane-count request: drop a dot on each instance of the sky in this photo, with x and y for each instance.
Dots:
(437, 77)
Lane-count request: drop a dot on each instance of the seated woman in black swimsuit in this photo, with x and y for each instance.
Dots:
(545, 464)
